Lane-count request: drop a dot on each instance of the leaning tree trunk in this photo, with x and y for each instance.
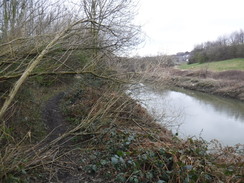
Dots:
(30, 68)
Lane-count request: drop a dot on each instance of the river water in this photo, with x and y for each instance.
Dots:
(194, 114)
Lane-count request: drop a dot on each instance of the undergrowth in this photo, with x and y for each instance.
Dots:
(133, 148)
(111, 138)
(122, 156)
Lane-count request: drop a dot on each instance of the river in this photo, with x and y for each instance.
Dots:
(194, 114)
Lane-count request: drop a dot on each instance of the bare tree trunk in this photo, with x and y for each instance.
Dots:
(30, 68)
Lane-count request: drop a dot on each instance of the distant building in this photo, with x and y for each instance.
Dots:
(181, 57)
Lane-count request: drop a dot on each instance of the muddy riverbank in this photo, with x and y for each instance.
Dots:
(226, 84)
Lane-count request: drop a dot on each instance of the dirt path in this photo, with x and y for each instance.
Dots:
(53, 117)
(56, 125)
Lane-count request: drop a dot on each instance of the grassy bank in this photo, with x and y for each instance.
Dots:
(232, 64)
(224, 78)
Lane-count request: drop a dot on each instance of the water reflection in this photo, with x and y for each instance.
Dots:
(199, 114)
(232, 107)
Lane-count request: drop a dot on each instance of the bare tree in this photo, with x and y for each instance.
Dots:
(27, 18)
(107, 27)
(112, 25)
(32, 66)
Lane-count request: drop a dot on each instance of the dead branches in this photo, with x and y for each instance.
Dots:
(33, 64)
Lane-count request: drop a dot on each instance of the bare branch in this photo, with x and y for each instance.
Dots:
(30, 68)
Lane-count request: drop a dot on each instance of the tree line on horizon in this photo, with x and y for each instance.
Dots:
(225, 47)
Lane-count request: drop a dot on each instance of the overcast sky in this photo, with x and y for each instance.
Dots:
(173, 26)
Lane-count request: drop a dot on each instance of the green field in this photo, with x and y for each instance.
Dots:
(232, 64)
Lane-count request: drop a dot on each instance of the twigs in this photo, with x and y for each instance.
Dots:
(146, 131)
(30, 68)
(63, 73)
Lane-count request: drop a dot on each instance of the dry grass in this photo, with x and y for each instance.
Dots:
(224, 75)
(226, 83)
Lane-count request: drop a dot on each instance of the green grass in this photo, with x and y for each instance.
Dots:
(232, 64)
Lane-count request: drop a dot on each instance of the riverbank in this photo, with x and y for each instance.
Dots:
(109, 137)
(120, 142)
(225, 83)
(192, 113)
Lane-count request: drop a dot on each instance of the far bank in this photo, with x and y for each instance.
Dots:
(226, 83)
